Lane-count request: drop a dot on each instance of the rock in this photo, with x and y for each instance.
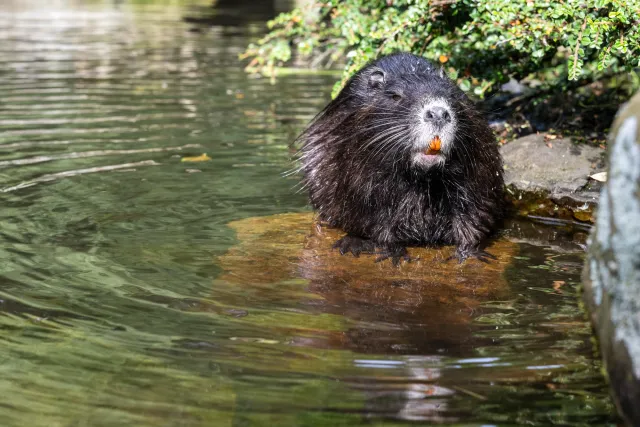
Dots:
(561, 168)
(551, 179)
(612, 272)
(513, 87)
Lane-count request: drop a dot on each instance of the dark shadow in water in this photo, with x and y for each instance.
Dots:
(238, 13)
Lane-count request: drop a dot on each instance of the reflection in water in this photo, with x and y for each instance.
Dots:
(134, 291)
(430, 341)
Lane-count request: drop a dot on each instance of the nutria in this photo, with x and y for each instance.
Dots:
(402, 157)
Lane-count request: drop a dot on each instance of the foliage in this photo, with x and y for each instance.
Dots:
(481, 43)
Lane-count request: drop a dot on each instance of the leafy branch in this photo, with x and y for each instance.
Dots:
(481, 43)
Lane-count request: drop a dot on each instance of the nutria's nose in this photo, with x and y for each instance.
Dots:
(437, 115)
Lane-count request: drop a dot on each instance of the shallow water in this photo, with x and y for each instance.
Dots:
(115, 306)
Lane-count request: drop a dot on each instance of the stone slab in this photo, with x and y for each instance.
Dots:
(551, 179)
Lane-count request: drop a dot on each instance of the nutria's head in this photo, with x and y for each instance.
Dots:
(404, 110)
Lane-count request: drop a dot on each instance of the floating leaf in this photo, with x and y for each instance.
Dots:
(600, 176)
(201, 158)
(557, 284)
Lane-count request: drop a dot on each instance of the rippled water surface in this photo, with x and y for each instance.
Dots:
(121, 302)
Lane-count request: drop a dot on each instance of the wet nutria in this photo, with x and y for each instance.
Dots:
(401, 157)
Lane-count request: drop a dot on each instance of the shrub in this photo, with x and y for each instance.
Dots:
(481, 43)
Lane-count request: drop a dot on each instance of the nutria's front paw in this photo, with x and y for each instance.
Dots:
(397, 253)
(355, 245)
(463, 253)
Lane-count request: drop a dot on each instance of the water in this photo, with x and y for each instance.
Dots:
(119, 304)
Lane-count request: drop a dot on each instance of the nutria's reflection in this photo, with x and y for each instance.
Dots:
(424, 307)
(421, 312)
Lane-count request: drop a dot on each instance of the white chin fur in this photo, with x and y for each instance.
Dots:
(428, 161)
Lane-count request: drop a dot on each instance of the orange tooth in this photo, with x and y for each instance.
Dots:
(434, 146)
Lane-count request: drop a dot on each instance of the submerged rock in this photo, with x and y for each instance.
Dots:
(552, 179)
(612, 272)
(428, 296)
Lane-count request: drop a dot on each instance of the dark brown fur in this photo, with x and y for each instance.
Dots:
(365, 174)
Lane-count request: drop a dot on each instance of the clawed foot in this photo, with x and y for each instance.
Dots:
(396, 253)
(358, 245)
(355, 245)
(462, 254)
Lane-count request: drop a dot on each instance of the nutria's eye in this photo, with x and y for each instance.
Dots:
(396, 96)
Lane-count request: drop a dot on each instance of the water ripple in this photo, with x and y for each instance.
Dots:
(115, 308)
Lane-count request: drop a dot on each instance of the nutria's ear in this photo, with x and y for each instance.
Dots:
(442, 73)
(376, 78)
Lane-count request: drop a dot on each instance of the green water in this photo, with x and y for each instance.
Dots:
(113, 309)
